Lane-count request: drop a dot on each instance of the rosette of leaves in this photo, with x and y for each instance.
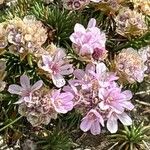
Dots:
(134, 137)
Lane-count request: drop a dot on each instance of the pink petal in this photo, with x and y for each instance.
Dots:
(79, 74)
(112, 124)
(60, 54)
(127, 105)
(58, 80)
(25, 82)
(128, 94)
(37, 85)
(125, 119)
(95, 128)
(66, 69)
(92, 23)
(46, 59)
(86, 49)
(15, 89)
(85, 124)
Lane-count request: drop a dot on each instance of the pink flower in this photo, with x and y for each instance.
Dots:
(89, 43)
(25, 90)
(116, 100)
(92, 122)
(62, 102)
(112, 124)
(57, 66)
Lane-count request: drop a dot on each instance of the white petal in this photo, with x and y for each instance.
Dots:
(112, 124)
(101, 68)
(125, 119)
(58, 80)
(79, 28)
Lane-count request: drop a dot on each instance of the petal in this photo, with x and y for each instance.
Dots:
(79, 74)
(66, 69)
(58, 80)
(112, 124)
(25, 82)
(15, 89)
(127, 105)
(86, 50)
(59, 55)
(101, 68)
(90, 67)
(128, 94)
(79, 28)
(95, 128)
(46, 59)
(37, 85)
(85, 124)
(92, 23)
(125, 119)
(103, 106)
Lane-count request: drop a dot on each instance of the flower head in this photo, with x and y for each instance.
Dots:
(62, 102)
(92, 121)
(131, 65)
(89, 43)
(130, 23)
(25, 91)
(57, 66)
(77, 4)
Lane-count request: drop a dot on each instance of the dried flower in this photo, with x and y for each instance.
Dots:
(89, 43)
(57, 66)
(1, 2)
(77, 4)
(145, 54)
(3, 39)
(142, 6)
(26, 36)
(130, 23)
(130, 65)
(109, 6)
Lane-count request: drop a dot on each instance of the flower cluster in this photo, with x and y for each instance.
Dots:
(38, 103)
(24, 36)
(130, 23)
(77, 4)
(89, 43)
(56, 65)
(94, 91)
(130, 65)
(99, 98)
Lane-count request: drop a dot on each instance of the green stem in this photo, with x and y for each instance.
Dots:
(11, 123)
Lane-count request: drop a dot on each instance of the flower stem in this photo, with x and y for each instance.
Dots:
(11, 123)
